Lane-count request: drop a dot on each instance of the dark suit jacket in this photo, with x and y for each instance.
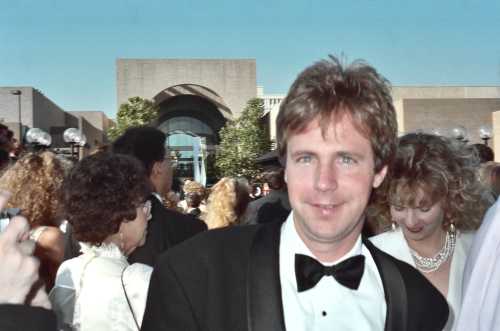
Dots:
(273, 207)
(228, 279)
(26, 318)
(166, 228)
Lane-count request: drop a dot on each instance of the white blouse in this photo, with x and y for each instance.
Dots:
(88, 293)
(394, 243)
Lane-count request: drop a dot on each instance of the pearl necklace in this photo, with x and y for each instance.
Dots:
(430, 264)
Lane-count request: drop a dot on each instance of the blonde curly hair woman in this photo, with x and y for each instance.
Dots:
(227, 202)
(34, 182)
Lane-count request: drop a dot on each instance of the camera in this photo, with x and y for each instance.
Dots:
(6, 215)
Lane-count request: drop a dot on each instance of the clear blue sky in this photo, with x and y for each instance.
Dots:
(67, 49)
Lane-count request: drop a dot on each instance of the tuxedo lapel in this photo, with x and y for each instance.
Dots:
(394, 289)
(264, 303)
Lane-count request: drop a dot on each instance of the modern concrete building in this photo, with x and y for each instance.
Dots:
(433, 109)
(196, 97)
(26, 107)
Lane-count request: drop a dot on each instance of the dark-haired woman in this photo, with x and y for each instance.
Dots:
(105, 200)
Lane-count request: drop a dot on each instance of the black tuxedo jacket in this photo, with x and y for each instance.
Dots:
(228, 280)
(166, 228)
(273, 207)
(26, 318)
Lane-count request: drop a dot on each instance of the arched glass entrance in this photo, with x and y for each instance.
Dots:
(191, 124)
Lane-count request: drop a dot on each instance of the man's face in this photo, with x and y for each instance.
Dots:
(329, 182)
(162, 175)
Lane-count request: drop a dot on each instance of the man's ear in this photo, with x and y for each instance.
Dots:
(156, 169)
(379, 177)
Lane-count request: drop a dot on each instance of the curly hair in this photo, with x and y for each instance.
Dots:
(227, 202)
(444, 169)
(193, 186)
(102, 191)
(328, 89)
(35, 181)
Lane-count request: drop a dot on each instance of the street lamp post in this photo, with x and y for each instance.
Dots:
(18, 93)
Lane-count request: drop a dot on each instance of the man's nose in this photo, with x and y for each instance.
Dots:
(326, 178)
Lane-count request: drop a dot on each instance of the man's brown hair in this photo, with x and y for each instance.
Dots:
(327, 89)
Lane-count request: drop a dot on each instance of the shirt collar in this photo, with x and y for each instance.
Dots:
(295, 245)
(157, 196)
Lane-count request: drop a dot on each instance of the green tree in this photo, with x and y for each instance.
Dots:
(242, 141)
(137, 111)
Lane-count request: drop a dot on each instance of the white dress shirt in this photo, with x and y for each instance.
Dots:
(329, 305)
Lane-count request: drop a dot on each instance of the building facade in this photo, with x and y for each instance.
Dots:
(437, 109)
(195, 97)
(22, 108)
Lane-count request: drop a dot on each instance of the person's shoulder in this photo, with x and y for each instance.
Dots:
(138, 273)
(222, 243)
(424, 301)
(465, 240)
(162, 214)
(220, 237)
(387, 241)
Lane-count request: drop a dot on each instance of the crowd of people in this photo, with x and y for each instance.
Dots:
(357, 230)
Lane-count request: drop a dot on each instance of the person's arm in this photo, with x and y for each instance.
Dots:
(167, 306)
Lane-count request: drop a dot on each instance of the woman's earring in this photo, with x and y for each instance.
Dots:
(122, 244)
(394, 226)
(452, 228)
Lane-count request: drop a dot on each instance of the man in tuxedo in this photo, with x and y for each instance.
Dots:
(336, 133)
(166, 228)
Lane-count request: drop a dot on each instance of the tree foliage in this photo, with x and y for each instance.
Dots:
(137, 111)
(242, 141)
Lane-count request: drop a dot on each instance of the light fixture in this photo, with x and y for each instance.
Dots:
(76, 139)
(485, 133)
(459, 133)
(38, 137)
(74, 136)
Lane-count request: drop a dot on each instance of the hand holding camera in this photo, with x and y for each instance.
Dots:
(19, 269)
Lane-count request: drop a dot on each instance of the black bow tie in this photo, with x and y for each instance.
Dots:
(309, 272)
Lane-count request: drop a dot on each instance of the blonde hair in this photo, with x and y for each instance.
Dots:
(35, 182)
(443, 169)
(227, 202)
(193, 186)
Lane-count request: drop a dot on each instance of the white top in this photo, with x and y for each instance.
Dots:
(394, 243)
(329, 305)
(88, 293)
(480, 309)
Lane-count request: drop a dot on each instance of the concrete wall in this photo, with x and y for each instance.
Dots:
(9, 111)
(46, 113)
(446, 114)
(445, 92)
(233, 80)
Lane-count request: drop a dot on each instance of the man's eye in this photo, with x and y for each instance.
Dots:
(304, 159)
(345, 159)
(424, 209)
